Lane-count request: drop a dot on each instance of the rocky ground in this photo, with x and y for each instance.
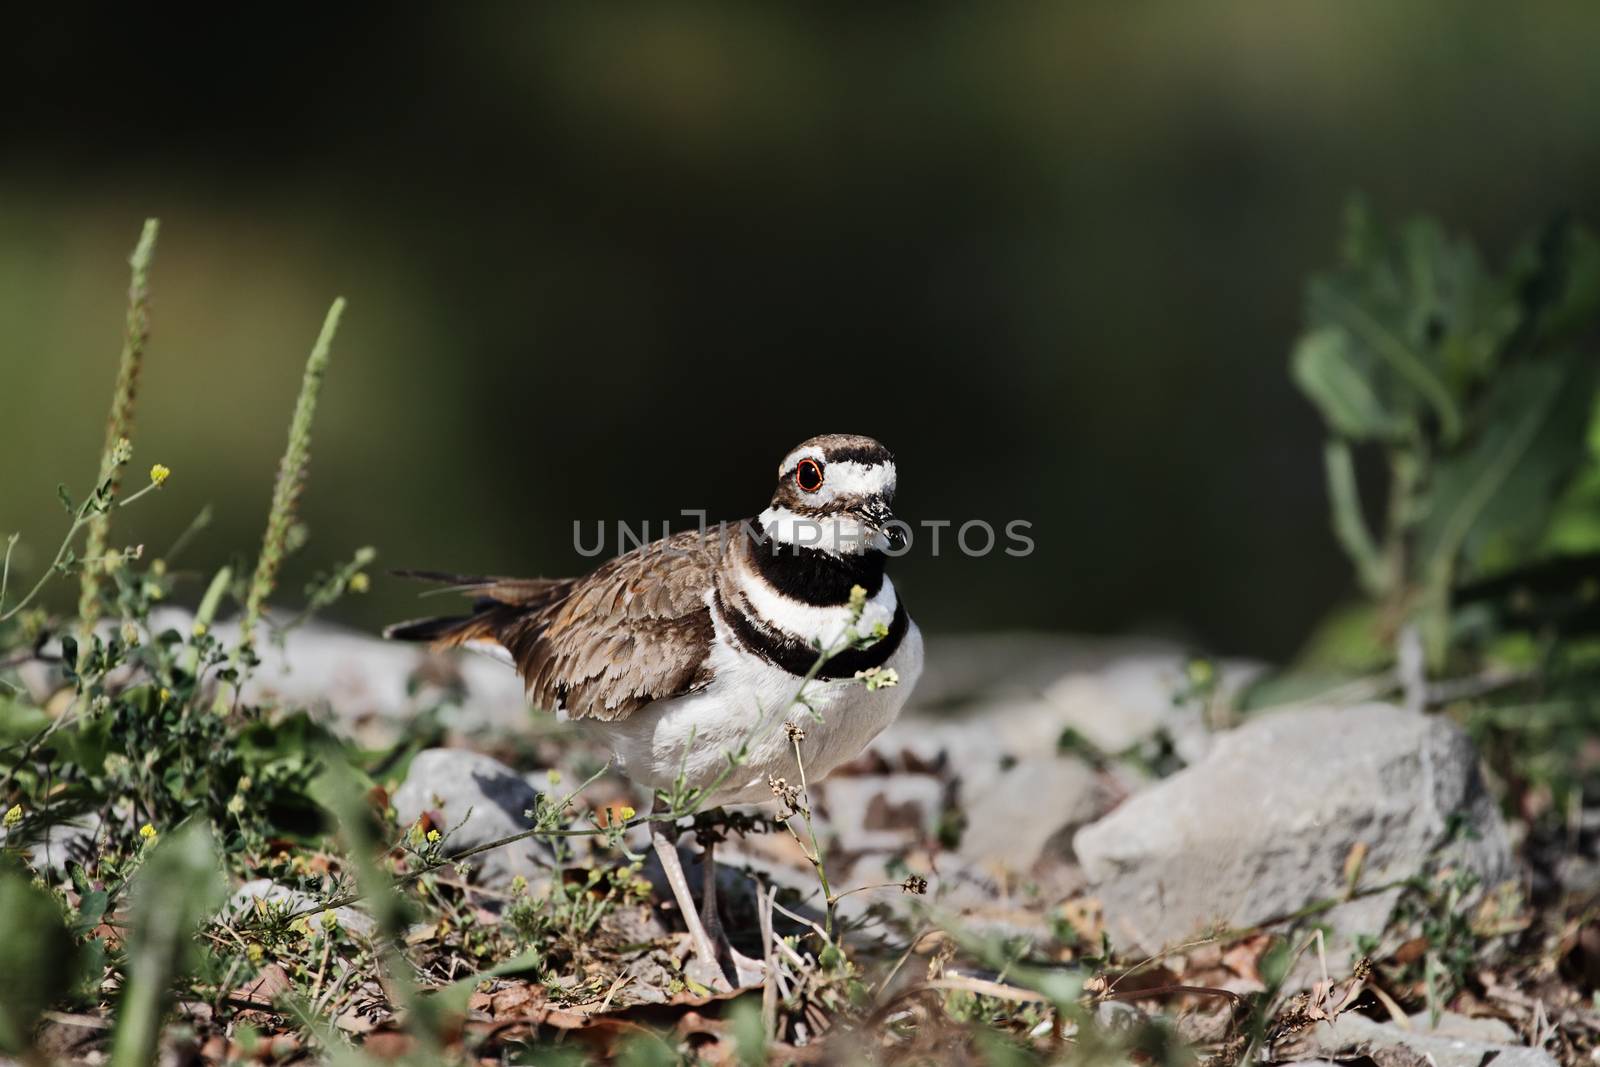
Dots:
(1092, 800)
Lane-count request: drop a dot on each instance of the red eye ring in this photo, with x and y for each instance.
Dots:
(808, 475)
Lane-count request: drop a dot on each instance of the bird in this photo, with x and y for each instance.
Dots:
(754, 639)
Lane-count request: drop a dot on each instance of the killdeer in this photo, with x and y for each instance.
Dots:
(695, 646)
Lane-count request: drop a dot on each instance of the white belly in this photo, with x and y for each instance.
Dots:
(742, 714)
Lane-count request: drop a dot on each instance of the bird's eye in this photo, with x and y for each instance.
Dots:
(808, 475)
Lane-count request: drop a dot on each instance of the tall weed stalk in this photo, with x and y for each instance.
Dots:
(119, 424)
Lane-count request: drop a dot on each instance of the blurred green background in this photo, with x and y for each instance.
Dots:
(610, 262)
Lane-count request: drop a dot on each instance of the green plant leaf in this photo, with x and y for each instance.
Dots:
(20, 721)
(1419, 321)
(1327, 371)
(1574, 527)
(180, 886)
(91, 909)
(1492, 499)
(1407, 366)
(38, 959)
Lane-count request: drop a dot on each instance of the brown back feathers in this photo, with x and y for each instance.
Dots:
(634, 631)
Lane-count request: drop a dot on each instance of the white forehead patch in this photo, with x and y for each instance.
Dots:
(844, 477)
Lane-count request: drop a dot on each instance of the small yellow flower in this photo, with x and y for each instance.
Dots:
(147, 832)
(519, 884)
(13, 816)
(626, 813)
(166, 694)
(159, 474)
(443, 929)
(236, 804)
(359, 582)
(198, 629)
(858, 597)
(554, 776)
(255, 952)
(433, 836)
(330, 921)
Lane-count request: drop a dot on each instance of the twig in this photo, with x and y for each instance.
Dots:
(322, 968)
(769, 988)
(333, 990)
(883, 983)
(622, 980)
(1158, 957)
(800, 919)
(1167, 990)
(982, 987)
(201, 520)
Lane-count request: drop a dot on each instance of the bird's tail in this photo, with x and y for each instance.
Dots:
(499, 605)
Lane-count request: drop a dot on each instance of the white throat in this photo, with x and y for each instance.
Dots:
(838, 535)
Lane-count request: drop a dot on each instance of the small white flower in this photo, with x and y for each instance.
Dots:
(879, 677)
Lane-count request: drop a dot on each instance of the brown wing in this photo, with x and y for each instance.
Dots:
(635, 631)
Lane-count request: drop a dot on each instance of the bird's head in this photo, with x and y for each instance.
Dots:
(834, 493)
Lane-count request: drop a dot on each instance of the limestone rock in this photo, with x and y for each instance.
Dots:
(1390, 1045)
(486, 798)
(1264, 826)
(1024, 821)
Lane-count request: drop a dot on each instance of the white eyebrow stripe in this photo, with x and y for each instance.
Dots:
(844, 476)
(858, 479)
(809, 452)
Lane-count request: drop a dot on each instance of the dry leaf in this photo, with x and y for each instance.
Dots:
(264, 989)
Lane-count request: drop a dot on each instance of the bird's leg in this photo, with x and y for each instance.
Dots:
(710, 917)
(746, 971)
(667, 851)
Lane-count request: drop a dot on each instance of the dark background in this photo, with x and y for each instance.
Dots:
(610, 262)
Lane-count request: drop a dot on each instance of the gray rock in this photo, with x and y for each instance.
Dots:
(73, 841)
(248, 897)
(1026, 817)
(982, 732)
(371, 688)
(479, 799)
(1264, 825)
(880, 813)
(987, 701)
(1390, 1045)
(1483, 1028)
(1130, 700)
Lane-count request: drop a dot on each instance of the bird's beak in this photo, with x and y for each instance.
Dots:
(876, 516)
